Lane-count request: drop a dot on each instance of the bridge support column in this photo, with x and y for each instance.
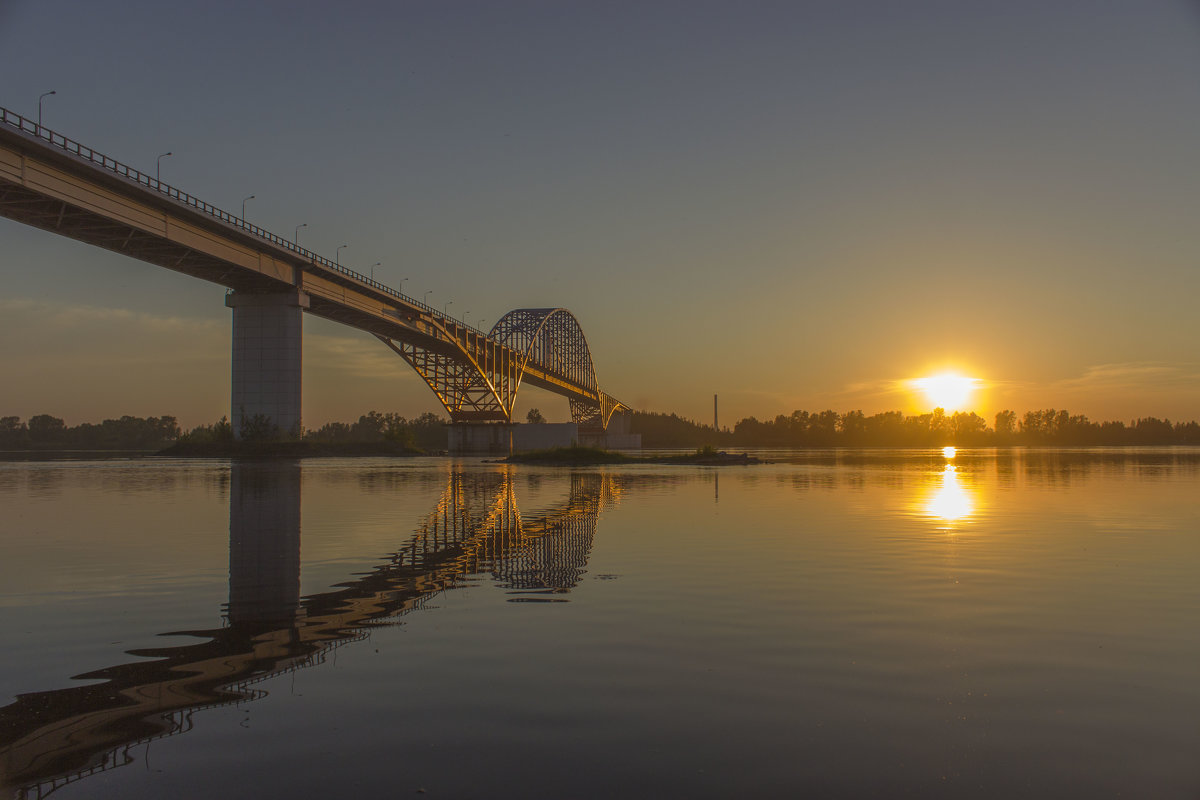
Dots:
(267, 332)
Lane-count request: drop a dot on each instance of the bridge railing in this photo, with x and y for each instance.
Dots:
(86, 153)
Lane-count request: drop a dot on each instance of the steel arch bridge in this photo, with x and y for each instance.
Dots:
(57, 184)
(477, 378)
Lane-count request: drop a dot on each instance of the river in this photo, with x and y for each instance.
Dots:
(830, 624)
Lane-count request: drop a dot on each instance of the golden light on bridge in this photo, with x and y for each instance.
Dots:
(948, 391)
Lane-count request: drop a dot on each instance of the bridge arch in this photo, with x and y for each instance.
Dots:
(553, 339)
(479, 377)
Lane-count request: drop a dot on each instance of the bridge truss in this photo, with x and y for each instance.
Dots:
(477, 379)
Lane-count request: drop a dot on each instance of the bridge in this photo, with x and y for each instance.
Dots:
(57, 184)
(476, 532)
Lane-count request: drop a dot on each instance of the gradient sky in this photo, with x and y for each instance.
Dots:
(793, 204)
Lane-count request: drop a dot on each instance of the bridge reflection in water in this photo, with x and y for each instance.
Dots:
(49, 739)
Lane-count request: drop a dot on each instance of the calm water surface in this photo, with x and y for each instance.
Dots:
(851, 624)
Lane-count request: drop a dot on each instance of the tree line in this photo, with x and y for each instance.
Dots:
(424, 432)
(46, 432)
(799, 429)
(894, 429)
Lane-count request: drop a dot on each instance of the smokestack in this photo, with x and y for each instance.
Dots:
(715, 428)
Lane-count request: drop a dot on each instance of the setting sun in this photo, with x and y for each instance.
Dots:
(948, 390)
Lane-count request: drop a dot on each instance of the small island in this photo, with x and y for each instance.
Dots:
(589, 456)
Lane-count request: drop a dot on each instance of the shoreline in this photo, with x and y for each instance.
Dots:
(590, 456)
(302, 449)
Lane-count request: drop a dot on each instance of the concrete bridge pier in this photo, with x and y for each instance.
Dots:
(267, 332)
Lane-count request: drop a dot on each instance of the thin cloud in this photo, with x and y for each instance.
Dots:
(361, 357)
(1134, 375)
(77, 315)
(872, 389)
(131, 337)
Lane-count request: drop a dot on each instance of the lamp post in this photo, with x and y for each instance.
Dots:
(446, 308)
(373, 266)
(425, 300)
(296, 236)
(244, 199)
(402, 280)
(41, 97)
(480, 325)
(158, 167)
(337, 255)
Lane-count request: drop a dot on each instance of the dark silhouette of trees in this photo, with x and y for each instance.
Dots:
(1006, 426)
(802, 429)
(219, 431)
(46, 432)
(14, 434)
(424, 432)
(258, 428)
(671, 430)
(534, 417)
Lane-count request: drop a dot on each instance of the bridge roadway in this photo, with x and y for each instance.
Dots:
(476, 531)
(56, 184)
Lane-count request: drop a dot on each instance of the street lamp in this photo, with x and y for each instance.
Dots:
(480, 325)
(336, 255)
(402, 280)
(296, 236)
(425, 300)
(157, 166)
(446, 308)
(251, 197)
(41, 97)
(373, 266)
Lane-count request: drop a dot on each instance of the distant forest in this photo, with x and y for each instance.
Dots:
(894, 429)
(800, 429)
(44, 432)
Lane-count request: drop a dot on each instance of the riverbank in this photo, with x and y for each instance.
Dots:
(303, 449)
(591, 456)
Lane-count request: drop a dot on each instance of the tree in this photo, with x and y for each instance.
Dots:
(369, 428)
(853, 427)
(45, 429)
(13, 433)
(1006, 425)
(259, 428)
(534, 417)
(968, 428)
(823, 428)
(219, 431)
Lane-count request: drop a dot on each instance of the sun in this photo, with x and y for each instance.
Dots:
(949, 391)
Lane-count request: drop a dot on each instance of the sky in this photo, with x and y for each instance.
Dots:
(794, 205)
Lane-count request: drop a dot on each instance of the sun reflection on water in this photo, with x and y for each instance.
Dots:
(952, 501)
